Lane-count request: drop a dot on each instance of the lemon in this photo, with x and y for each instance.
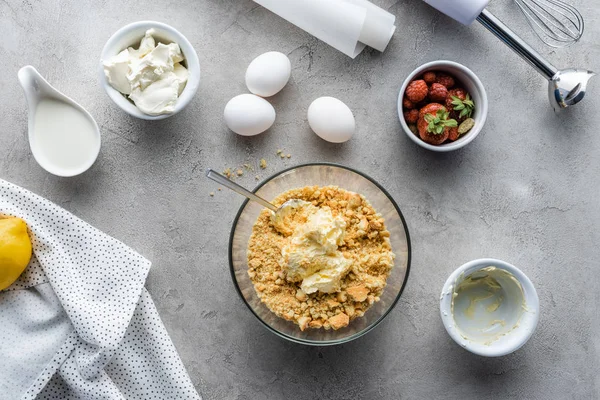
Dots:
(15, 250)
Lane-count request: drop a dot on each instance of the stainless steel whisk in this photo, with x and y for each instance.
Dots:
(566, 87)
(555, 22)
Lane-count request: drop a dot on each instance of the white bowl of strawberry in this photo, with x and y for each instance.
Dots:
(442, 106)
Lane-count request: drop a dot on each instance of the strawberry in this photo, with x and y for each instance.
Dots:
(433, 138)
(431, 108)
(411, 116)
(463, 107)
(454, 94)
(407, 104)
(453, 134)
(434, 124)
(417, 91)
(438, 93)
(458, 92)
(429, 77)
(446, 80)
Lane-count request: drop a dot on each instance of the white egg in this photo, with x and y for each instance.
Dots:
(249, 115)
(331, 119)
(268, 73)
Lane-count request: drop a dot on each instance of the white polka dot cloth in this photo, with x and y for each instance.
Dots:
(78, 323)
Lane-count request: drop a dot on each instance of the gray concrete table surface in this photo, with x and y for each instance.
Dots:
(525, 191)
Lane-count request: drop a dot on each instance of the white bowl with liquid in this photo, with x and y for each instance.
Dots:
(64, 138)
(489, 307)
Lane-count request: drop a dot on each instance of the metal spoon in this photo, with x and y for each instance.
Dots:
(215, 176)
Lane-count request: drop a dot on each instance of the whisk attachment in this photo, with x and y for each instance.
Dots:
(566, 87)
(555, 22)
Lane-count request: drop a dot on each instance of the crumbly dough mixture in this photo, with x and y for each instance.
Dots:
(366, 243)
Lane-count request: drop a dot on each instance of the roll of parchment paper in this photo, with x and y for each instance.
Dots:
(347, 25)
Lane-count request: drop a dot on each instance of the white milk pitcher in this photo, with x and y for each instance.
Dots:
(64, 138)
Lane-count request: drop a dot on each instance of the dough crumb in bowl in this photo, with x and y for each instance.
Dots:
(364, 250)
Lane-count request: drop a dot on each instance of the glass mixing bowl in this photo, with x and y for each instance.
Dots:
(322, 175)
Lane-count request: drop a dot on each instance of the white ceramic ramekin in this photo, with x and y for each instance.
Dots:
(131, 35)
(471, 84)
(516, 336)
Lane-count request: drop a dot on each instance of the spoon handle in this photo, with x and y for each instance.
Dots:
(215, 176)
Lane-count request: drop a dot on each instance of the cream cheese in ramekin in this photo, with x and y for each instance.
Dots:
(152, 76)
(487, 304)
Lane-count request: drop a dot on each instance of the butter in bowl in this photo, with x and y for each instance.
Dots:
(489, 307)
(150, 70)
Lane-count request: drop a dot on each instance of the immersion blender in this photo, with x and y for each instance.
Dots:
(565, 87)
